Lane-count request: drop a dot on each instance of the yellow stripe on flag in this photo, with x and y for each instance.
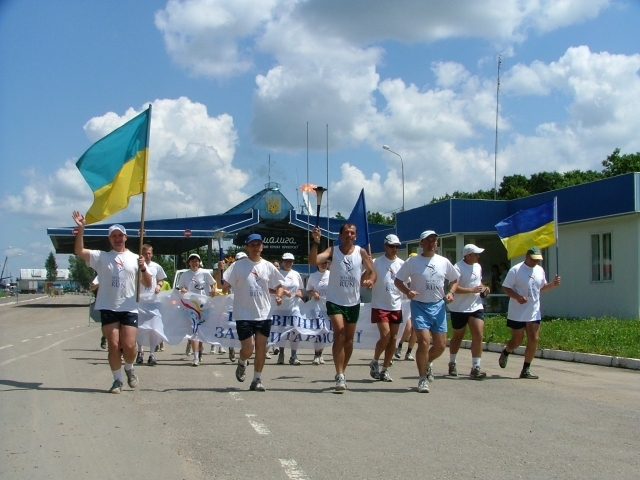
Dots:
(540, 237)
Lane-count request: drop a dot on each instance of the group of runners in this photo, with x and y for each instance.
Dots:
(430, 281)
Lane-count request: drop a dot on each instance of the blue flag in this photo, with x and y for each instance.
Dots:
(359, 218)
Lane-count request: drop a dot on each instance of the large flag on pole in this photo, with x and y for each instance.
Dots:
(115, 167)
(531, 227)
(359, 218)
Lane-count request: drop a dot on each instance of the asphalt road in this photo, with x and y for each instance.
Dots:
(57, 421)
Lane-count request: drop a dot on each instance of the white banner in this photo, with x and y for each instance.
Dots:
(171, 316)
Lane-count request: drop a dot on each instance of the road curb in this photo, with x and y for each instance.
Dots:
(564, 356)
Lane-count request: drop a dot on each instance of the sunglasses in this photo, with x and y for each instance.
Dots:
(393, 246)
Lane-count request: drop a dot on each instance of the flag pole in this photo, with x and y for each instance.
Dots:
(144, 198)
(555, 225)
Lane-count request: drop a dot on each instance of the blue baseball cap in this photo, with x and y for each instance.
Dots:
(252, 237)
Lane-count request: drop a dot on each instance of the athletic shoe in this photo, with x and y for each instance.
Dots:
(294, 361)
(267, 355)
(222, 350)
(321, 360)
(430, 374)
(316, 360)
(398, 353)
(152, 360)
(527, 373)
(385, 377)
(132, 379)
(162, 346)
(240, 375)
(140, 358)
(276, 351)
(341, 384)
(477, 373)
(257, 386)
(409, 357)
(502, 361)
(157, 349)
(281, 358)
(116, 387)
(453, 369)
(195, 362)
(374, 370)
(423, 385)
(103, 343)
(188, 349)
(212, 349)
(232, 354)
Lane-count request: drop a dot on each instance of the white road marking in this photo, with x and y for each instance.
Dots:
(292, 470)
(39, 336)
(235, 396)
(6, 346)
(9, 304)
(6, 362)
(49, 334)
(217, 374)
(257, 426)
(25, 340)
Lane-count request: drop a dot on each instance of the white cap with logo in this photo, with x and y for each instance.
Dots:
(391, 239)
(427, 233)
(471, 248)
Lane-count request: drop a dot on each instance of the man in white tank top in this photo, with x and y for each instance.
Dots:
(343, 292)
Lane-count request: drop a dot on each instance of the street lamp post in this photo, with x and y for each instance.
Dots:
(386, 147)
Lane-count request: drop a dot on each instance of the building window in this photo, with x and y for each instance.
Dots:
(601, 265)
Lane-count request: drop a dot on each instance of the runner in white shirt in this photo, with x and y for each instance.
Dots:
(427, 274)
(251, 280)
(349, 261)
(317, 289)
(524, 284)
(386, 307)
(293, 286)
(116, 300)
(467, 309)
(196, 280)
(157, 279)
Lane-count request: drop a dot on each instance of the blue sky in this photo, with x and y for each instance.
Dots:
(234, 81)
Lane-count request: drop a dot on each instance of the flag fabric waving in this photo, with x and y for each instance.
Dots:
(115, 167)
(527, 228)
(359, 218)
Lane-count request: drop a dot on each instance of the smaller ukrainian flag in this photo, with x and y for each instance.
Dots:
(115, 167)
(528, 228)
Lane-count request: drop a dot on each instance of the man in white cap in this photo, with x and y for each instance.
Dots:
(117, 271)
(200, 281)
(467, 309)
(386, 307)
(427, 274)
(524, 284)
(292, 286)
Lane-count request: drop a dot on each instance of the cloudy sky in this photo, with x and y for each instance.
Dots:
(234, 81)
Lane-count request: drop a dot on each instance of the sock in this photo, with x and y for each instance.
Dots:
(294, 353)
(505, 353)
(152, 349)
(117, 375)
(375, 359)
(196, 355)
(400, 346)
(526, 365)
(128, 366)
(409, 350)
(383, 370)
(140, 349)
(430, 364)
(475, 362)
(256, 376)
(242, 362)
(452, 357)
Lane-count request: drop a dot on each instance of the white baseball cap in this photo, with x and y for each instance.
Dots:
(471, 248)
(391, 239)
(115, 227)
(288, 256)
(427, 233)
(240, 255)
(191, 255)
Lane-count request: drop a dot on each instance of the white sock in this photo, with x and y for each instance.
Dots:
(195, 355)
(375, 359)
(383, 370)
(475, 362)
(117, 374)
(140, 348)
(452, 357)
(242, 362)
(128, 366)
(430, 364)
(256, 375)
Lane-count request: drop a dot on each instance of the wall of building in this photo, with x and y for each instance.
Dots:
(578, 296)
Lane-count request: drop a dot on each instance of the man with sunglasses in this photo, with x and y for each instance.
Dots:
(386, 307)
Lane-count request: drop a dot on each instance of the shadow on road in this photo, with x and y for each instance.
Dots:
(38, 386)
(54, 305)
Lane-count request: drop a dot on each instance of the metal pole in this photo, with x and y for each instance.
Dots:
(495, 156)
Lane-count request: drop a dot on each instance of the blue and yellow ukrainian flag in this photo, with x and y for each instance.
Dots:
(115, 167)
(528, 228)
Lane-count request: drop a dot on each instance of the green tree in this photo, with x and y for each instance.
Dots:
(340, 216)
(616, 164)
(51, 266)
(79, 272)
(377, 217)
(166, 262)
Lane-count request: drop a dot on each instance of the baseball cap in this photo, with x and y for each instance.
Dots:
(427, 233)
(288, 256)
(471, 248)
(252, 237)
(240, 255)
(391, 239)
(535, 253)
(191, 255)
(115, 227)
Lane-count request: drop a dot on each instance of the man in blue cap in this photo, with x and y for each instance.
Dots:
(524, 284)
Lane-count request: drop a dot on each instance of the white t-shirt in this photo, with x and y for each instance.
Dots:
(199, 281)
(117, 279)
(292, 281)
(318, 282)
(470, 277)
(157, 273)
(251, 282)
(427, 276)
(384, 294)
(344, 278)
(525, 281)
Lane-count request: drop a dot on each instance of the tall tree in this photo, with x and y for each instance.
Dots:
(51, 266)
(166, 262)
(616, 164)
(79, 272)
(377, 217)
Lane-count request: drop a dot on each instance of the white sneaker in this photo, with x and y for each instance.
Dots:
(409, 357)
(321, 360)
(316, 360)
(222, 350)
(341, 383)
(423, 385)
(195, 362)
